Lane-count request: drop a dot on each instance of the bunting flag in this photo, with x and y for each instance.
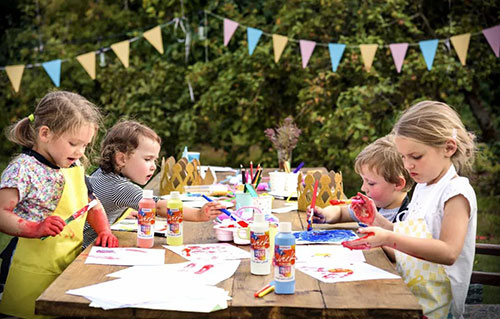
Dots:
(398, 51)
(229, 27)
(306, 50)
(368, 53)
(279, 44)
(428, 48)
(154, 37)
(461, 45)
(492, 35)
(336, 51)
(15, 74)
(53, 69)
(122, 51)
(87, 60)
(253, 36)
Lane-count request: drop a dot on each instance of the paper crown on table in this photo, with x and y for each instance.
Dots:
(174, 176)
(330, 187)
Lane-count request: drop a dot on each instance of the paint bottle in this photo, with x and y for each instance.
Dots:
(175, 218)
(260, 263)
(146, 220)
(284, 260)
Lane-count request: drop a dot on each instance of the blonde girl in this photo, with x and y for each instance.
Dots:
(434, 245)
(39, 190)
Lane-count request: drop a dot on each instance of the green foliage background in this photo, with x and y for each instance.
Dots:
(237, 96)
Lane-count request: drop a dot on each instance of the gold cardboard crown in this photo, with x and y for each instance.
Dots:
(327, 183)
(174, 176)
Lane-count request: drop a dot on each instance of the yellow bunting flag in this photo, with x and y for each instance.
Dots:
(122, 50)
(461, 45)
(15, 73)
(368, 53)
(154, 37)
(279, 44)
(87, 60)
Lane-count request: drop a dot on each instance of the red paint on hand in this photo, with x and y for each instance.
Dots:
(351, 244)
(50, 226)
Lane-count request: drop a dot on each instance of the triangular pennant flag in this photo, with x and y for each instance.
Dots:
(461, 45)
(428, 48)
(398, 51)
(53, 69)
(306, 50)
(368, 53)
(229, 27)
(15, 74)
(336, 52)
(87, 60)
(253, 36)
(154, 37)
(279, 44)
(492, 35)
(122, 50)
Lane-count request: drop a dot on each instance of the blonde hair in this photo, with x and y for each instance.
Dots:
(383, 158)
(60, 111)
(434, 123)
(123, 137)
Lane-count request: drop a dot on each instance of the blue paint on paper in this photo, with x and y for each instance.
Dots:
(329, 236)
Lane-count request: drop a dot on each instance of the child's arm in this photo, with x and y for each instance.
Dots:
(208, 212)
(330, 215)
(444, 250)
(14, 225)
(98, 220)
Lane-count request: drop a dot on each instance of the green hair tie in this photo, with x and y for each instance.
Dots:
(31, 117)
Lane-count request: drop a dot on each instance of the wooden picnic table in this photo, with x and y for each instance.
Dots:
(312, 299)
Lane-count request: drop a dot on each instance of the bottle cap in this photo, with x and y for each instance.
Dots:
(259, 218)
(147, 193)
(175, 195)
(285, 227)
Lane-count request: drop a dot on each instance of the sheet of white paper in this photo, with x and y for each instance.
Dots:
(213, 252)
(125, 256)
(312, 254)
(202, 272)
(340, 272)
(285, 209)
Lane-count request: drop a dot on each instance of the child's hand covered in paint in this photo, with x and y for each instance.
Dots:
(365, 212)
(374, 237)
(50, 226)
(210, 211)
(318, 216)
(106, 239)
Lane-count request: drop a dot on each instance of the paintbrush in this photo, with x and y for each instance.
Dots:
(78, 213)
(313, 206)
(345, 202)
(242, 223)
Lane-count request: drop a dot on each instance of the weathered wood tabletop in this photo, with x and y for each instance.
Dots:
(312, 298)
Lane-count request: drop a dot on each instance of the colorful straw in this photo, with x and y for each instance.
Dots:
(264, 290)
(298, 168)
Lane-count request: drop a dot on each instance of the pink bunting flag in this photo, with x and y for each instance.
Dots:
(306, 50)
(492, 35)
(230, 27)
(398, 51)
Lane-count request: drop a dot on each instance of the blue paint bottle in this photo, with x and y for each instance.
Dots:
(284, 260)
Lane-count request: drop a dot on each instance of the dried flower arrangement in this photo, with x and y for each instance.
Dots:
(284, 139)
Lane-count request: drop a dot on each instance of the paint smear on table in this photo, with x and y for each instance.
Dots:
(327, 236)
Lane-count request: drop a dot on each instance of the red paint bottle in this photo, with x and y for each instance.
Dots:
(146, 220)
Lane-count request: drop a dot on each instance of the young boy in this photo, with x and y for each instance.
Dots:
(385, 181)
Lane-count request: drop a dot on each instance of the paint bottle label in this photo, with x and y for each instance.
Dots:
(284, 268)
(259, 244)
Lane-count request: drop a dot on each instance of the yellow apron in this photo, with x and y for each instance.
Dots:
(427, 281)
(37, 263)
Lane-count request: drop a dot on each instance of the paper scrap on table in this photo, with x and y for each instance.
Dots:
(327, 253)
(285, 209)
(166, 293)
(340, 272)
(324, 236)
(125, 256)
(202, 272)
(221, 251)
